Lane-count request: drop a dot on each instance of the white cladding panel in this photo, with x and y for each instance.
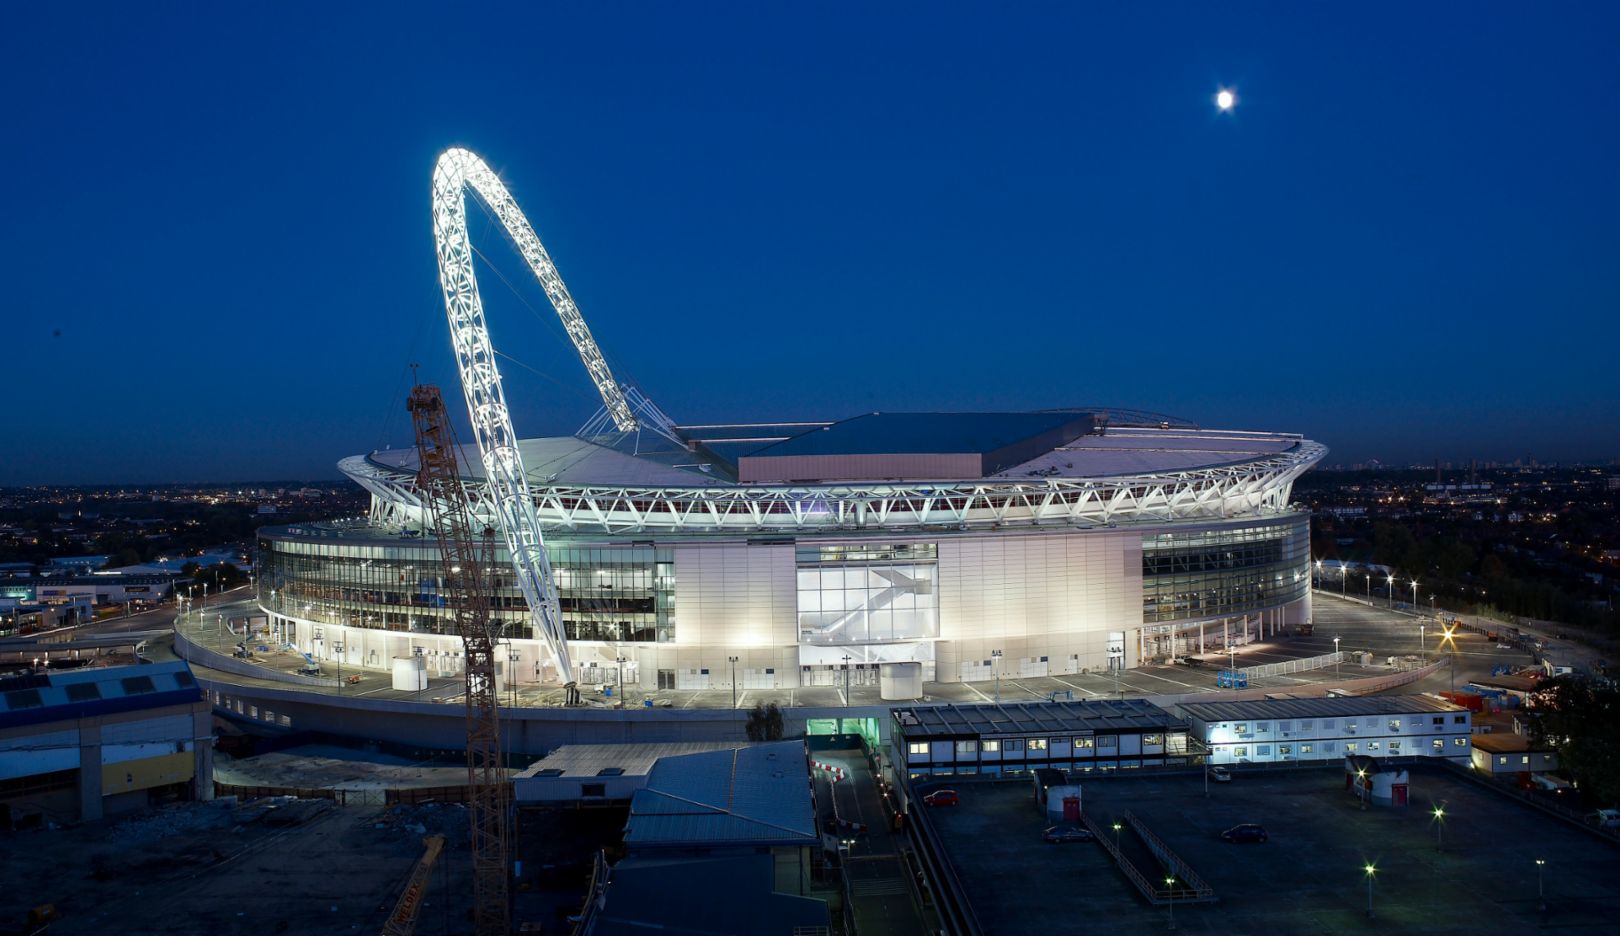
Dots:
(735, 599)
(1053, 595)
(28, 755)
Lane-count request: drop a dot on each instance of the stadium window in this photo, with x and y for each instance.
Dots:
(1037, 744)
(1262, 726)
(993, 746)
(1082, 744)
(1327, 746)
(1525, 759)
(1107, 741)
(593, 789)
(917, 747)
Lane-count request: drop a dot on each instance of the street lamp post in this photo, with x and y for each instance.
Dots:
(512, 659)
(621, 661)
(847, 658)
(995, 659)
(1414, 598)
(1344, 579)
(1439, 813)
(1361, 775)
(1389, 582)
(1421, 650)
(1371, 870)
(1117, 827)
(337, 648)
(1335, 658)
(1541, 890)
(1170, 899)
(733, 662)
(1369, 588)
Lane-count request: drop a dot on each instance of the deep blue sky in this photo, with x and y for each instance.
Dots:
(1405, 242)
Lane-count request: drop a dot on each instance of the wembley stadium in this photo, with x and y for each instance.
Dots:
(662, 555)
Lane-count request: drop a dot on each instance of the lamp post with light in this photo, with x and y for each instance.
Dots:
(1439, 813)
(847, 658)
(995, 659)
(733, 662)
(621, 661)
(1414, 598)
(1541, 890)
(1117, 827)
(1371, 870)
(1389, 582)
(1170, 898)
(1335, 658)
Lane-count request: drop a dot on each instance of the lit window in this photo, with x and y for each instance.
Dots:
(1037, 744)
(1439, 744)
(1525, 759)
(918, 747)
(1304, 749)
(1460, 742)
(1263, 726)
(1083, 744)
(1372, 745)
(1241, 728)
(1151, 739)
(1349, 747)
(1394, 724)
(966, 747)
(1394, 745)
(1240, 751)
(992, 746)
(1285, 750)
(1502, 761)
(1349, 726)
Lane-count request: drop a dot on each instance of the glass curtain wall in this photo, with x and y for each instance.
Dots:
(622, 594)
(867, 593)
(1216, 573)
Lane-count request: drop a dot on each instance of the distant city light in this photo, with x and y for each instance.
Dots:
(1225, 99)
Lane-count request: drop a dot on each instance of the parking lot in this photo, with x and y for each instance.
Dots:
(1307, 878)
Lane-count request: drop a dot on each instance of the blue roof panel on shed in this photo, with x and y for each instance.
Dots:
(926, 433)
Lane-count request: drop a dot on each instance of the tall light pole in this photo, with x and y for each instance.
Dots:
(621, 661)
(1362, 776)
(1117, 827)
(847, 658)
(1541, 890)
(1421, 651)
(1439, 813)
(1414, 598)
(733, 662)
(1170, 898)
(1389, 582)
(1344, 579)
(995, 660)
(337, 648)
(1371, 870)
(1318, 573)
(1369, 588)
(1335, 658)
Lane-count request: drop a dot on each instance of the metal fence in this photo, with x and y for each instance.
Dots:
(1294, 666)
(346, 796)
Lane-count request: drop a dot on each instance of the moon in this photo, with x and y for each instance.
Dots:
(1224, 99)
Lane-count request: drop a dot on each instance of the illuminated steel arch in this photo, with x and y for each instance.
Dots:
(507, 487)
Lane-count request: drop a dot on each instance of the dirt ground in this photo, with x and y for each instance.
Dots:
(268, 866)
(337, 766)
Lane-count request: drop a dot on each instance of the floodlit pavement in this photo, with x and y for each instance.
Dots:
(1379, 631)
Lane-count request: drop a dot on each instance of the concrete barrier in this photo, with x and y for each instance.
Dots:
(213, 659)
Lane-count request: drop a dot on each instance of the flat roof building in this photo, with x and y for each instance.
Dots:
(1280, 730)
(1013, 739)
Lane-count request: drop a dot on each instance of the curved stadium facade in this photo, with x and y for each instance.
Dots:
(1069, 541)
(806, 553)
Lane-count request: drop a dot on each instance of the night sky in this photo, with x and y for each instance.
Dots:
(1404, 242)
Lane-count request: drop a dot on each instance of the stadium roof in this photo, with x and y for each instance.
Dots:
(926, 433)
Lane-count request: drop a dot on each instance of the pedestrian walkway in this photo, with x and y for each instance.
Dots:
(876, 875)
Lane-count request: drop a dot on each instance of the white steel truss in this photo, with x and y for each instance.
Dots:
(504, 495)
(1248, 488)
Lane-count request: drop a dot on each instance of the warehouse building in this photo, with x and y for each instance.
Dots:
(83, 743)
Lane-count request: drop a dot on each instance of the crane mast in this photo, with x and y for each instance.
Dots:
(468, 558)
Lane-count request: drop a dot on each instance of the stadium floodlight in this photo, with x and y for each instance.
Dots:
(508, 489)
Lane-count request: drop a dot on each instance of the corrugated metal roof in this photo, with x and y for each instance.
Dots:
(1035, 718)
(1264, 709)
(586, 760)
(756, 794)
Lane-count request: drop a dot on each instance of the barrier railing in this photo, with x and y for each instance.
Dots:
(193, 652)
(1187, 880)
(1294, 666)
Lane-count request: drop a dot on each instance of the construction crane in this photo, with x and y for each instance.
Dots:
(402, 922)
(468, 557)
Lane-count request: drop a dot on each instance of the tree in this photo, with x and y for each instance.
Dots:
(1580, 719)
(765, 722)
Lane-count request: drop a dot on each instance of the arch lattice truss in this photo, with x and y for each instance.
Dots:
(505, 492)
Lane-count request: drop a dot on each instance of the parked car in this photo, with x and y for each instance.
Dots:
(1247, 832)
(1605, 818)
(1220, 775)
(1059, 834)
(943, 798)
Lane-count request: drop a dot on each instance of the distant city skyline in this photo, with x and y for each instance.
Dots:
(1398, 242)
